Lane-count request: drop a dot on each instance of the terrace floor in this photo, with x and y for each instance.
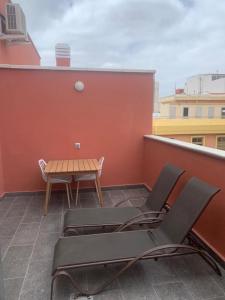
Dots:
(27, 242)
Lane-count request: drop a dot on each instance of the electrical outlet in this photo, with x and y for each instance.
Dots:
(77, 145)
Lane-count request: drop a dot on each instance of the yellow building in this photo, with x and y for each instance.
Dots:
(196, 106)
(198, 119)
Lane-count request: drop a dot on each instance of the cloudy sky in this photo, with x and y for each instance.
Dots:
(177, 38)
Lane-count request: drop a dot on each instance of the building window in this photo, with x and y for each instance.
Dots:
(220, 143)
(185, 112)
(197, 140)
(211, 111)
(223, 112)
(198, 112)
(172, 112)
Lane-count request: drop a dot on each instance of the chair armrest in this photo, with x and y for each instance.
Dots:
(129, 199)
(141, 217)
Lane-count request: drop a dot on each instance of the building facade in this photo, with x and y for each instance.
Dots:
(15, 50)
(195, 114)
(205, 84)
(181, 106)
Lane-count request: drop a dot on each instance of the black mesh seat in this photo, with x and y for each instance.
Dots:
(87, 249)
(103, 216)
(131, 246)
(98, 217)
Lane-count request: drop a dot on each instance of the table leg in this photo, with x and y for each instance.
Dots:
(99, 191)
(47, 196)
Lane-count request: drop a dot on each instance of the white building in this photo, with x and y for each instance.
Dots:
(156, 98)
(205, 84)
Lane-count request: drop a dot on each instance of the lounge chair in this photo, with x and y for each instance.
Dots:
(114, 217)
(132, 246)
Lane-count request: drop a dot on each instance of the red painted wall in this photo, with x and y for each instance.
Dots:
(17, 54)
(211, 225)
(62, 62)
(42, 115)
(21, 54)
(1, 174)
(2, 6)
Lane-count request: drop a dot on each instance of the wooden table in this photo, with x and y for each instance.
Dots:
(72, 167)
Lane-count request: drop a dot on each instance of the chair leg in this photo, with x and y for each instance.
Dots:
(68, 194)
(99, 191)
(71, 192)
(96, 186)
(78, 182)
(47, 197)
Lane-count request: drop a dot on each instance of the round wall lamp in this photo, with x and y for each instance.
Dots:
(79, 86)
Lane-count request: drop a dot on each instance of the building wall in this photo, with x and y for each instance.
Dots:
(204, 84)
(108, 118)
(21, 54)
(156, 97)
(210, 226)
(209, 139)
(192, 105)
(1, 174)
(17, 54)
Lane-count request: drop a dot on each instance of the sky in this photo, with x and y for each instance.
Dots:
(177, 38)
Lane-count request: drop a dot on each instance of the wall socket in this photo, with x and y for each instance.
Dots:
(77, 145)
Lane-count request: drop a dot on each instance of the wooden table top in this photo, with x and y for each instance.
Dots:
(72, 166)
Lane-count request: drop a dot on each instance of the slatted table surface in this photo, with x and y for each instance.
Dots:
(68, 167)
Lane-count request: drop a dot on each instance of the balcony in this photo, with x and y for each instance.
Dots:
(42, 115)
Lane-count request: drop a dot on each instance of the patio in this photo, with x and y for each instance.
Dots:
(27, 241)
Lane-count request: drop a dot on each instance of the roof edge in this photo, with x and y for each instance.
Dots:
(53, 68)
(212, 152)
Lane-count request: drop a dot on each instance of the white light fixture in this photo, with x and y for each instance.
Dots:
(79, 86)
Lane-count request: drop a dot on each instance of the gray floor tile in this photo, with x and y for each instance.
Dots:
(12, 288)
(37, 201)
(90, 200)
(56, 205)
(178, 278)
(16, 211)
(4, 243)
(219, 279)
(26, 234)
(44, 246)
(6, 202)
(51, 223)
(33, 215)
(9, 226)
(38, 280)
(16, 261)
(203, 287)
(172, 291)
(3, 213)
(135, 285)
(160, 271)
(218, 298)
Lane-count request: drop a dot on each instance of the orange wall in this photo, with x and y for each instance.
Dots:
(62, 62)
(211, 225)
(21, 54)
(1, 175)
(17, 54)
(2, 6)
(42, 116)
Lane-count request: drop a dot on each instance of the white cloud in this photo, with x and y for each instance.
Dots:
(178, 38)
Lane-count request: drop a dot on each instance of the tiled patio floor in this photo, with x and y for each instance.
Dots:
(27, 241)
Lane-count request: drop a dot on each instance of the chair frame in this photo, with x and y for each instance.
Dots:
(153, 253)
(98, 175)
(49, 184)
(163, 250)
(142, 217)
